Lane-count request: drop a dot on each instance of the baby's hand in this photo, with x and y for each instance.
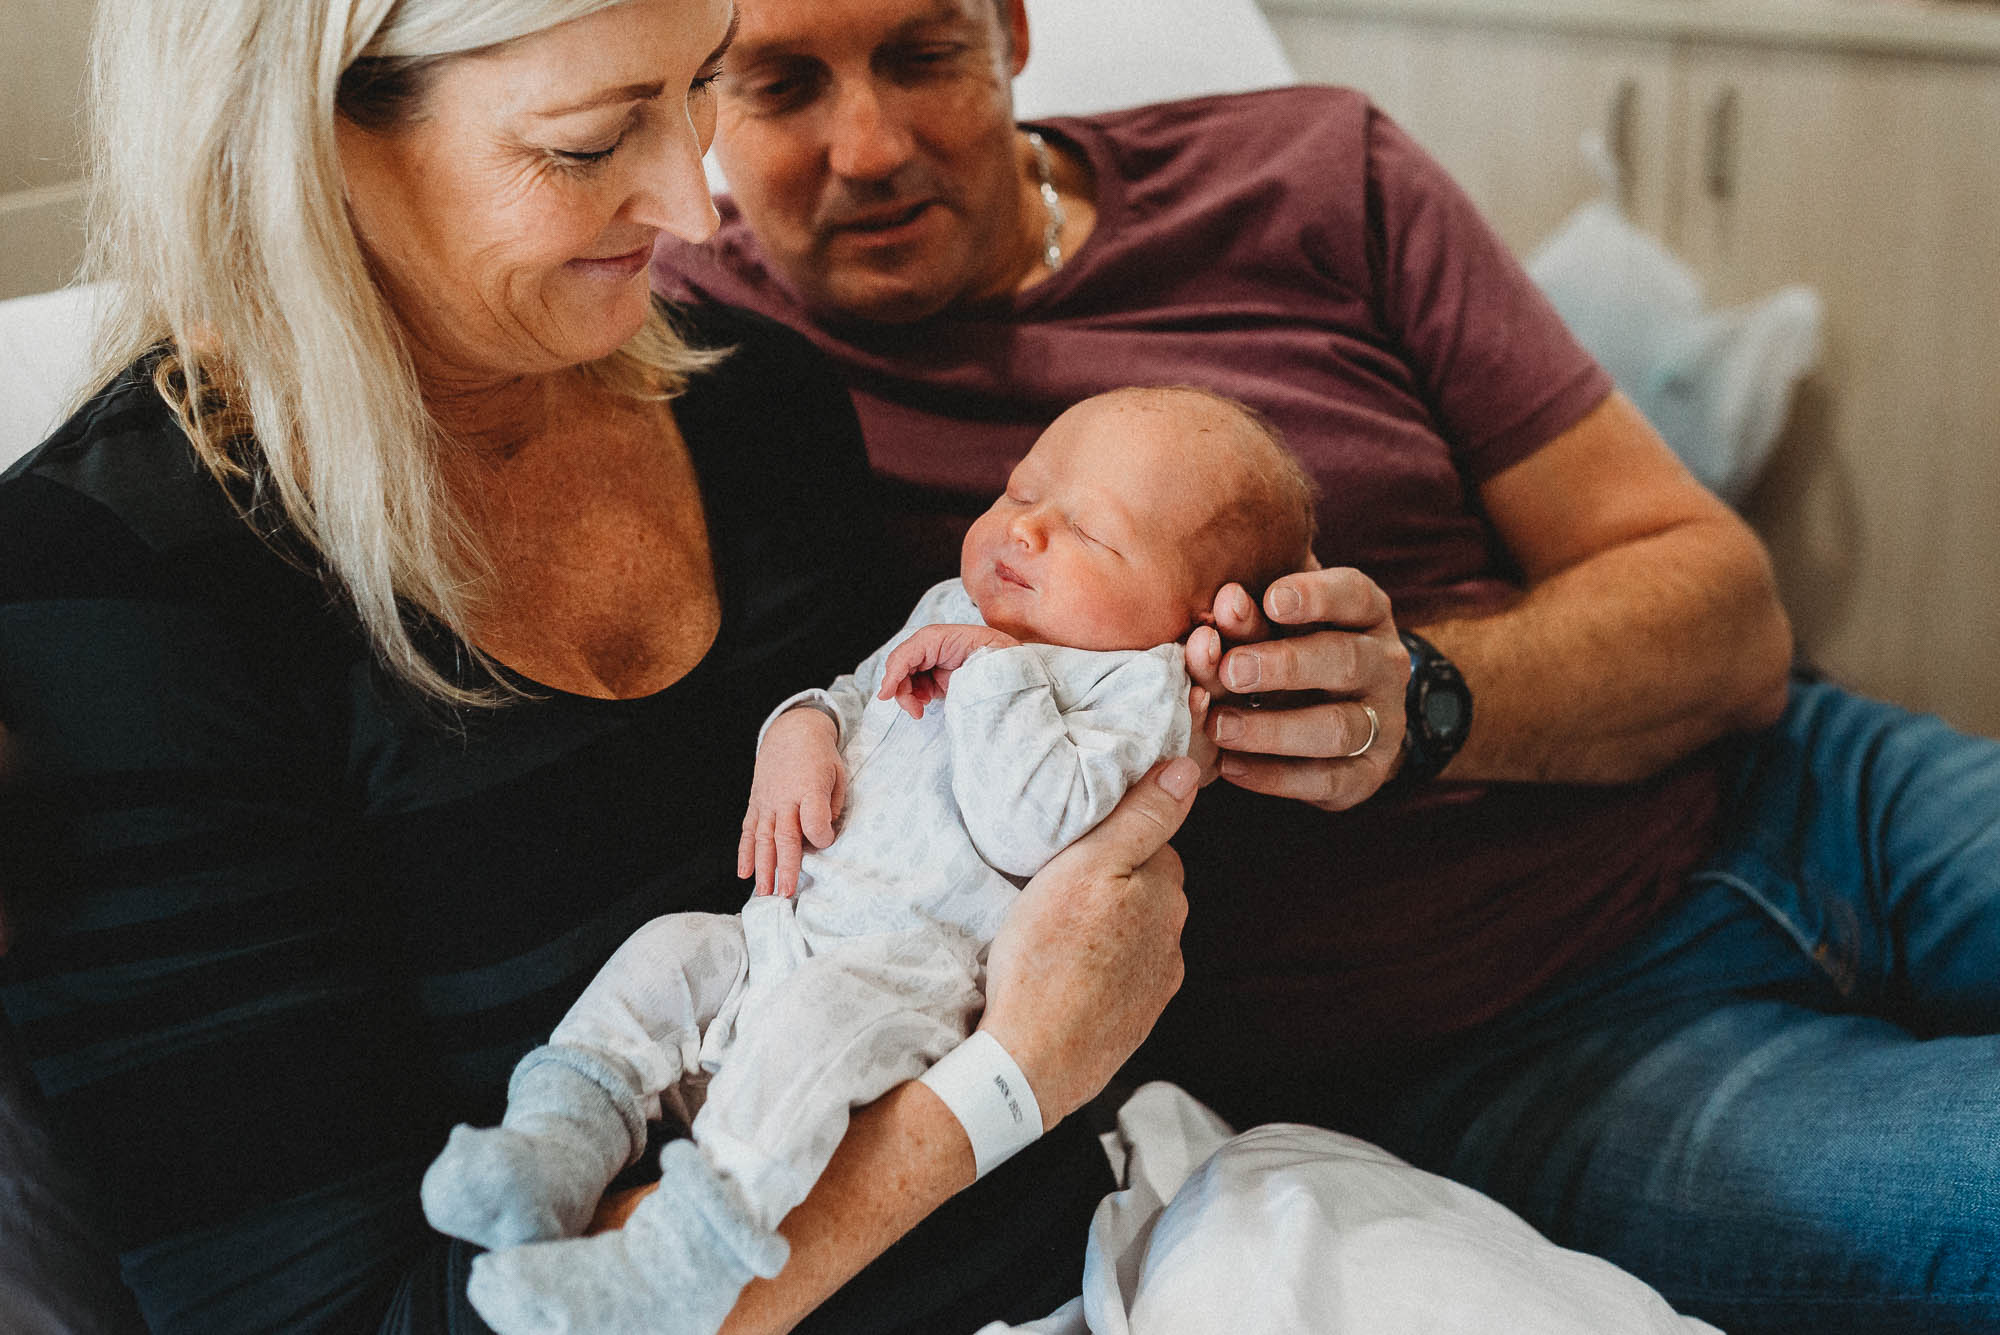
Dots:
(919, 669)
(799, 787)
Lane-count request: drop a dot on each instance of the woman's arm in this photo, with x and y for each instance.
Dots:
(1086, 961)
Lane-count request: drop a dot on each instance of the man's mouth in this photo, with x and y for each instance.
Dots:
(881, 219)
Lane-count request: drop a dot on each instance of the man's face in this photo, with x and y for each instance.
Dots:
(871, 146)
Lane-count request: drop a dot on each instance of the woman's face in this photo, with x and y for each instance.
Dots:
(510, 220)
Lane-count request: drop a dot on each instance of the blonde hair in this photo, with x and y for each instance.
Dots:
(217, 207)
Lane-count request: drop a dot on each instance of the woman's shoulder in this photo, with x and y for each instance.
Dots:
(119, 471)
(115, 504)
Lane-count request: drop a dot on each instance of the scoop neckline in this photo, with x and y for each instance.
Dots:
(725, 604)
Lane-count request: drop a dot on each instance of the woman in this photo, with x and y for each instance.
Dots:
(386, 638)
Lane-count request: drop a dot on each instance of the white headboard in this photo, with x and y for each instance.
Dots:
(1099, 55)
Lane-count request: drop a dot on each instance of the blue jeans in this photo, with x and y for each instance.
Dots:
(1781, 1106)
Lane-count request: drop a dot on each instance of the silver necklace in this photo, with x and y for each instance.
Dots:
(1052, 255)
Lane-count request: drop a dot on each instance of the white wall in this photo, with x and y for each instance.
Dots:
(41, 92)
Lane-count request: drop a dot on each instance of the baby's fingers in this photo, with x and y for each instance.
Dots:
(766, 851)
(746, 846)
(816, 818)
(790, 847)
(908, 657)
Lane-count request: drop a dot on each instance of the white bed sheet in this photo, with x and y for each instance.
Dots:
(1291, 1230)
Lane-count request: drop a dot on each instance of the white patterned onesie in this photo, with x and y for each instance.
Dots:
(804, 1008)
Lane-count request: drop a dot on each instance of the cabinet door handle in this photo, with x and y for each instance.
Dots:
(1618, 133)
(1721, 157)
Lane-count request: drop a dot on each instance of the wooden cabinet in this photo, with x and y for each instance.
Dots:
(1868, 169)
(1511, 139)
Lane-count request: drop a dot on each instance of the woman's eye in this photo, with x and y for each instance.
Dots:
(585, 157)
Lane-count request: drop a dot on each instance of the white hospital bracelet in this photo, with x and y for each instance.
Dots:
(990, 1097)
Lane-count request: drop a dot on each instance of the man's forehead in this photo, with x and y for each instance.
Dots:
(801, 23)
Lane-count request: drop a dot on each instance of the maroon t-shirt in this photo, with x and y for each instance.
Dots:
(1294, 249)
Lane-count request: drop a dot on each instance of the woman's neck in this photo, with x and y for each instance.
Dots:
(494, 418)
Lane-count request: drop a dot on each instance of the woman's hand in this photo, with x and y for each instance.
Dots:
(1304, 731)
(1090, 953)
(919, 669)
(796, 794)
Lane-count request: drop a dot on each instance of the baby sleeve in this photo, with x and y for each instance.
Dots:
(852, 692)
(1045, 740)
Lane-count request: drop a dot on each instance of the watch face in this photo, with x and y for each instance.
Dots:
(1443, 713)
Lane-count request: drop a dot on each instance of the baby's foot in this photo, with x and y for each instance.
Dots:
(573, 1121)
(675, 1268)
(499, 1187)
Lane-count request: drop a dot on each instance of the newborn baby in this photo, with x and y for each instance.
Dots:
(1005, 719)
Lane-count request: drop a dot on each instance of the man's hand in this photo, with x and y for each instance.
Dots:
(798, 791)
(919, 669)
(1299, 717)
(1089, 955)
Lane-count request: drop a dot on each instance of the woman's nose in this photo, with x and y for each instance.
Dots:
(674, 193)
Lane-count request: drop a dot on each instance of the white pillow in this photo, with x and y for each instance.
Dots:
(1100, 55)
(1716, 383)
(44, 357)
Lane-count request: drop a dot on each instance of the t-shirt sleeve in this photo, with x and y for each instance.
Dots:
(1501, 371)
(194, 976)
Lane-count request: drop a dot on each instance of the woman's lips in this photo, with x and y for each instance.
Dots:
(614, 266)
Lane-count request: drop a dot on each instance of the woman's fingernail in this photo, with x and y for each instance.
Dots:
(1284, 601)
(1180, 776)
(1242, 671)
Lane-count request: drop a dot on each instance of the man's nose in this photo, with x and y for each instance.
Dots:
(869, 139)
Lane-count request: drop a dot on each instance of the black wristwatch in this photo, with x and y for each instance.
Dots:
(1438, 710)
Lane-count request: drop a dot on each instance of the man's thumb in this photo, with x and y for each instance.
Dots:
(1145, 818)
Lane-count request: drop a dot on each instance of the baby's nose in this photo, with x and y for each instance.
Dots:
(1030, 529)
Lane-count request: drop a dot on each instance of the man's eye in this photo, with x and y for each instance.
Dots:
(920, 61)
(775, 92)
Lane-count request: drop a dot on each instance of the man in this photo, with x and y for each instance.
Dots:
(1680, 997)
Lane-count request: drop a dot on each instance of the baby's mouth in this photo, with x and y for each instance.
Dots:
(1009, 575)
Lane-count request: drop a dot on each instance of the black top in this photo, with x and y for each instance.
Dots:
(277, 924)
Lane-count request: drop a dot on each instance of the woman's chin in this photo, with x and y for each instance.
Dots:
(602, 332)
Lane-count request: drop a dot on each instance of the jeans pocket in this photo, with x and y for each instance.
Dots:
(1815, 917)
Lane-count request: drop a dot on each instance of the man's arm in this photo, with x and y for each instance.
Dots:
(1650, 626)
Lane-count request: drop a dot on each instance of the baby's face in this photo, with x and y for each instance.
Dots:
(1089, 546)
